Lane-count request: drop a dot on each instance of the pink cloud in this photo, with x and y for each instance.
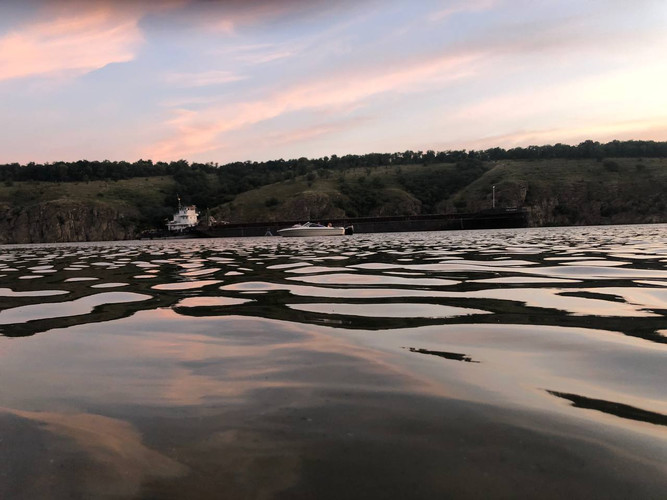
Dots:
(199, 131)
(69, 44)
(311, 132)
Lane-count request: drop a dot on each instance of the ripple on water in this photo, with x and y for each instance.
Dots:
(595, 263)
(185, 285)
(553, 298)
(389, 310)
(84, 305)
(109, 285)
(201, 272)
(315, 270)
(289, 266)
(649, 298)
(324, 292)
(651, 283)
(596, 272)
(8, 292)
(372, 279)
(523, 279)
(575, 258)
(211, 302)
(588, 329)
(634, 256)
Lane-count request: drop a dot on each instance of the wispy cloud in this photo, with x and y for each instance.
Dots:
(258, 54)
(265, 56)
(229, 16)
(253, 77)
(199, 131)
(69, 45)
(459, 6)
(316, 130)
(202, 79)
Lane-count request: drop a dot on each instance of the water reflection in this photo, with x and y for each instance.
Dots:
(617, 409)
(389, 310)
(266, 367)
(77, 307)
(456, 356)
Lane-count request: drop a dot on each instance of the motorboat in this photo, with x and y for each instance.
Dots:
(312, 229)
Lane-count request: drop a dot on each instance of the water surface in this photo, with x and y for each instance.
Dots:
(511, 363)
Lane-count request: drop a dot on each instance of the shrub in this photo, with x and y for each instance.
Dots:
(611, 165)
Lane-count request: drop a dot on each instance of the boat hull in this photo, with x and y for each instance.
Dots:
(312, 231)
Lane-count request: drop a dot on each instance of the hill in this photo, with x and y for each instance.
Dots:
(556, 192)
(103, 201)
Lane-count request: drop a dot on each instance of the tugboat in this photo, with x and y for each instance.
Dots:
(182, 225)
(187, 217)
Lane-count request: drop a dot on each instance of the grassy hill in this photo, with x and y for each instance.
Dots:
(575, 192)
(555, 191)
(126, 193)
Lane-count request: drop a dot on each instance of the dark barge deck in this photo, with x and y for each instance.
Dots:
(487, 219)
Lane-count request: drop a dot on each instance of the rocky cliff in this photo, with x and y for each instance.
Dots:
(561, 193)
(63, 220)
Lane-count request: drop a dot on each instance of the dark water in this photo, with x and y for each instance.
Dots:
(512, 363)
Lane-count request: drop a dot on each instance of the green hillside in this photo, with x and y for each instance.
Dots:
(141, 198)
(557, 192)
(103, 200)
(575, 192)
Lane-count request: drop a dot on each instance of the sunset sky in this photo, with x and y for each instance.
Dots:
(232, 80)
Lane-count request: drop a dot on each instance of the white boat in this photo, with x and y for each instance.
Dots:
(311, 229)
(187, 217)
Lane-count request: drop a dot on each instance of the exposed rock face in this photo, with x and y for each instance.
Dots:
(575, 203)
(61, 221)
(586, 203)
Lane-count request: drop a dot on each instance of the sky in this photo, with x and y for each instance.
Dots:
(254, 80)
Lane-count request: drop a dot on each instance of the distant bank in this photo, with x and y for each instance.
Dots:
(372, 196)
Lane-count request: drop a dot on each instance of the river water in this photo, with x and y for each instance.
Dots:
(476, 364)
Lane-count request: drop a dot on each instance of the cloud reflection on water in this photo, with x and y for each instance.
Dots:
(294, 363)
(76, 307)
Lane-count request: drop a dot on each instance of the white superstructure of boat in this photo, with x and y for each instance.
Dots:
(311, 229)
(186, 217)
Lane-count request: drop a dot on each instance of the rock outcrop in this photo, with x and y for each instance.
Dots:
(60, 221)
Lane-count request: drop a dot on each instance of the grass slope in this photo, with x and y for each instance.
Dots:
(557, 192)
